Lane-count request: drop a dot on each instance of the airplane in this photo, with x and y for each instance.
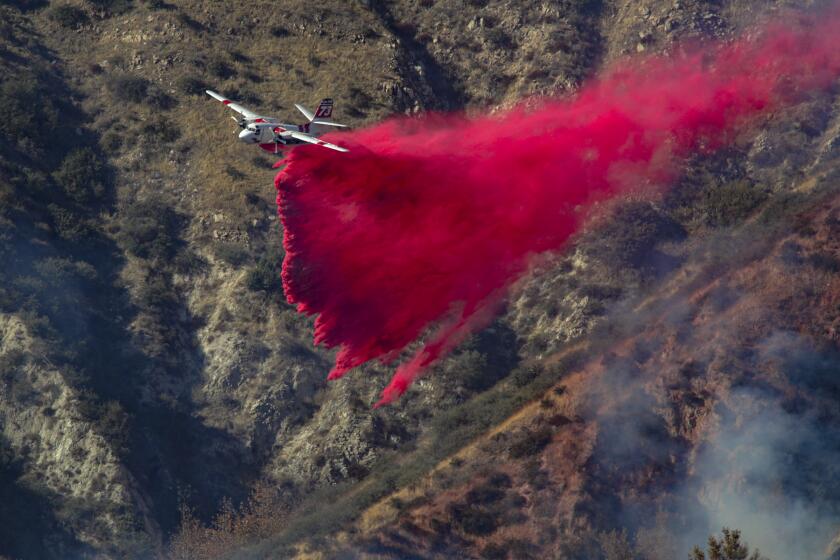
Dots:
(273, 136)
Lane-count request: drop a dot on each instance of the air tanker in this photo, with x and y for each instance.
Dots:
(273, 136)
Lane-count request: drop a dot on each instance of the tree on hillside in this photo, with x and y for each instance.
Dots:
(727, 548)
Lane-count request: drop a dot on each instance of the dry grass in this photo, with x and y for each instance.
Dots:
(472, 456)
(319, 55)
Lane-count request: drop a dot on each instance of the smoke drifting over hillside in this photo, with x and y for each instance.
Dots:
(421, 230)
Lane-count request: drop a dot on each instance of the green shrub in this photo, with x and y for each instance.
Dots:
(782, 207)
(731, 203)
(265, 275)
(523, 375)
(58, 270)
(80, 175)
(26, 109)
(67, 224)
(67, 16)
(630, 236)
(232, 253)
(108, 418)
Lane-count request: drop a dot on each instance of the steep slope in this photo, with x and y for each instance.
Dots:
(148, 358)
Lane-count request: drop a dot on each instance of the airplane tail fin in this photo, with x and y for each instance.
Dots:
(322, 115)
(324, 110)
(320, 122)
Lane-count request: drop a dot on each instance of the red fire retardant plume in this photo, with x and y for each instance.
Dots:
(422, 228)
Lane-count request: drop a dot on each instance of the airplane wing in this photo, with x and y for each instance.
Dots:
(312, 140)
(306, 112)
(235, 106)
(329, 123)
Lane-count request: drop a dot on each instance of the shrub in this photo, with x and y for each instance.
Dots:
(472, 520)
(67, 224)
(265, 276)
(187, 21)
(12, 360)
(191, 85)
(530, 443)
(615, 546)
(628, 239)
(783, 207)
(220, 69)
(58, 270)
(112, 6)
(279, 31)
(160, 131)
(25, 5)
(499, 39)
(155, 293)
(111, 141)
(17, 119)
(727, 548)
(823, 260)
(113, 425)
(67, 16)
(523, 375)
(731, 203)
(148, 230)
(260, 517)
(158, 99)
(494, 552)
(232, 253)
(130, 88)
(80, 175)
(485, 494)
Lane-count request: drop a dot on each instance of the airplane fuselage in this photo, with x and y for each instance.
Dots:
(272, 135)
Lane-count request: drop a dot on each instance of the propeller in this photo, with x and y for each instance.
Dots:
(240, 122)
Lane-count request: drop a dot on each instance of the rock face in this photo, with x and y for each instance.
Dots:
(61, 454)
(148, 359)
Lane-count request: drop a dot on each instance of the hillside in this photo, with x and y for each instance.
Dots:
(672, 373)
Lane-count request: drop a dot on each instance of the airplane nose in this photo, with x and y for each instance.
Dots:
(247, 136)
